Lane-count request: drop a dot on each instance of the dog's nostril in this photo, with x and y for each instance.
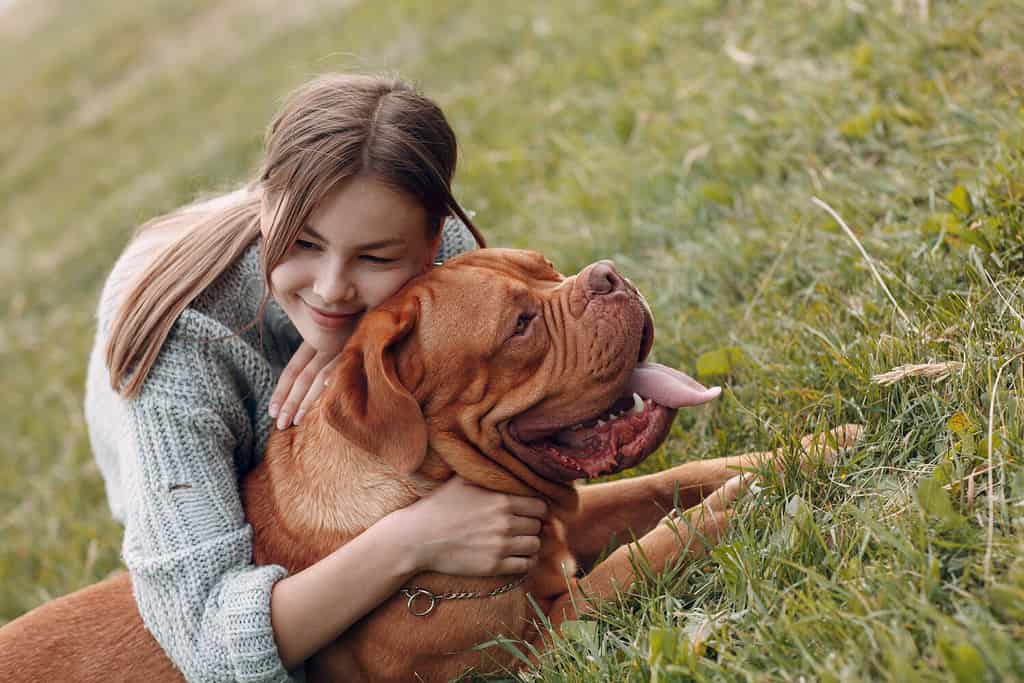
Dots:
(603, 279)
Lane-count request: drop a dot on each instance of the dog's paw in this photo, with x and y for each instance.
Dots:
(827, 447)
(718, 501)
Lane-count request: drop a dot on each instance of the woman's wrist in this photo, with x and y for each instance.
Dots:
(351, 582)
(397, 530)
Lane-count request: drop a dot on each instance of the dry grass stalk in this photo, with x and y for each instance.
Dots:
(932, 371)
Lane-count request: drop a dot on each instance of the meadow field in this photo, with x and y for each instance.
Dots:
(811, 193)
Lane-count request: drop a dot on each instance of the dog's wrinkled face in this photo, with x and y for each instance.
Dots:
(531, 368)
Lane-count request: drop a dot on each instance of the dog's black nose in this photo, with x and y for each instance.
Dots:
(602, 279)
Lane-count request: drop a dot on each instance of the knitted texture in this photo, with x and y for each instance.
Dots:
(172, 460)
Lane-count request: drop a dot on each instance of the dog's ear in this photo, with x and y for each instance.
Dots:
(365, 400)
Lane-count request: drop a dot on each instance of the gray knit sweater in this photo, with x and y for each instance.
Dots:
(172, 460)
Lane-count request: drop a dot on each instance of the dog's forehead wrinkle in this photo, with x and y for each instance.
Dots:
(525, 270)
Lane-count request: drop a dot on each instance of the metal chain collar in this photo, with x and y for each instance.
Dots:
(432, 599)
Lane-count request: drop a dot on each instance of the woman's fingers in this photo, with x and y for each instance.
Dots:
(525, 526)
(299, 360)
(514, 565)
(302, 381)
(504, 503)
(290, 408)
(316, 388)
(471, 531)
(522, 545)
(528, 506)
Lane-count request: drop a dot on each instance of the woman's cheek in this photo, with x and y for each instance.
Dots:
(285, 278)
(377, 292)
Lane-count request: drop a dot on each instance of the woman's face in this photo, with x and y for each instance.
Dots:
(361, 244)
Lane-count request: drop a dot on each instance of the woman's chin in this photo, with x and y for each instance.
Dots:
(326, 341)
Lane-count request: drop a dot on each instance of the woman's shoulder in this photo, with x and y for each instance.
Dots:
(456, 239)
(233, 321)
(151, 240)
(234, 298)
(230, 321)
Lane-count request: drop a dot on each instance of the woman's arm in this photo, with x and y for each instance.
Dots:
(187, 545)
(312, 608)
(458, 529)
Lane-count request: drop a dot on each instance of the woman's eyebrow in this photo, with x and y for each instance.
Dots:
(309, 228)
(379, 244)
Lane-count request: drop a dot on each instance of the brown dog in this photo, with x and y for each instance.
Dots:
(493, 367)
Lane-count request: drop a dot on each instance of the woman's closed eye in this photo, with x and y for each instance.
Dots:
(306, 245)
(370, 258)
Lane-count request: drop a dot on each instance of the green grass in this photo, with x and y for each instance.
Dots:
(684, 140)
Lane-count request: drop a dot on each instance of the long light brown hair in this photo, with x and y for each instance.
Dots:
(332, 129)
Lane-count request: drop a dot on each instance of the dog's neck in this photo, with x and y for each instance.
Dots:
(314, 491)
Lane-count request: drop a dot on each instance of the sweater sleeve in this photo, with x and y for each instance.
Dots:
(187, 545)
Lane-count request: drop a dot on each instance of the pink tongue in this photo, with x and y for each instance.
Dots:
(668, 387)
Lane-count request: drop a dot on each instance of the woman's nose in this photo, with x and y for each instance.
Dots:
(333, 285)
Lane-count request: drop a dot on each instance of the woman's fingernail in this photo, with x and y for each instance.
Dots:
(273, 409)
(299, 415)
(282, 422)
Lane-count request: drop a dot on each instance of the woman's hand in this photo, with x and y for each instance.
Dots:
(301, 382)
(466, 530)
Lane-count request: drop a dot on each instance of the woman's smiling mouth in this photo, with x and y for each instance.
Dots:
(325, 319)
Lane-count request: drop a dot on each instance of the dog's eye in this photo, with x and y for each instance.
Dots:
(523, 322)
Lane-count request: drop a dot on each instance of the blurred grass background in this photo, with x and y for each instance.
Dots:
(683, 139)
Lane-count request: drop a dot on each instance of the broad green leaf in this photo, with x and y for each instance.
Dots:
(935, 502)
(719, 362)
(954, 232)
(943, 473)
(997, 445)
(959, 423)
(939, 222)
(960, 199)
(716, 192)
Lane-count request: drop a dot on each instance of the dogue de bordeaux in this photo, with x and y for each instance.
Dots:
(494, 367)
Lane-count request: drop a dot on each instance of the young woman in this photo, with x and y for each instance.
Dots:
(220, 322)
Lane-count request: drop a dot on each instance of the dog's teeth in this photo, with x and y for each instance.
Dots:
(576, 428)
(638, 403)
(613, 416)
(600, 423)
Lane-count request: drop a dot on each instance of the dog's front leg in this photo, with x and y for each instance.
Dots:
(612, 513)
(681, 535)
